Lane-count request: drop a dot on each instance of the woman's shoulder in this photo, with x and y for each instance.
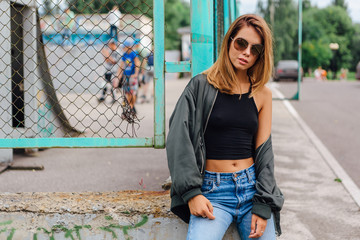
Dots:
(198, 81)
(263, 97)
(200, 78)
(264, 92)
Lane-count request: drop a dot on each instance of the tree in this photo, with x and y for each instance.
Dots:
(177, 14)
(329, 25)
(282, 18)
(340, 3)
(315, 53)
(355, 47)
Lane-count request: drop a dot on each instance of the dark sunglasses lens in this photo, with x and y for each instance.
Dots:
(240, 44)
(257, 49)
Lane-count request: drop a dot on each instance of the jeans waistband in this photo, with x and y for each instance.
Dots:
(229, 176)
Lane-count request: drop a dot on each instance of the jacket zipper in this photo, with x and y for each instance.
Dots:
(212, 106)
(202, 156)
(201, 142)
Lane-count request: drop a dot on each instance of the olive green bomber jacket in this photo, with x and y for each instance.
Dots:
(186, 155)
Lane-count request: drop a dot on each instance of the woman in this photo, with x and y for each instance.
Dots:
(219, 146)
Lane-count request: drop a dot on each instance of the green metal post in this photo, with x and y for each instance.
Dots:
(237, 6)
(159, 77)
(232, 10)
(297, 95)
(227, 15)
(202, 35)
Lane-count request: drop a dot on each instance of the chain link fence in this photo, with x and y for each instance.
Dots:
(76, 68)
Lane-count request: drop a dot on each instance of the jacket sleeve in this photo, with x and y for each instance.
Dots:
(184, 171)
(268, 196)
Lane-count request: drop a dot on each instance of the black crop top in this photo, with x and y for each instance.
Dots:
(232, 126)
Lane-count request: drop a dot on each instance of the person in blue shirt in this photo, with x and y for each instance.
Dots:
(128, 75)
(148, 77)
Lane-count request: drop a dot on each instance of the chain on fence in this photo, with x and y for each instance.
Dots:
(74, 68)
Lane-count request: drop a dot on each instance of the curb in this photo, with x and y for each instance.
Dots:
(348, 183)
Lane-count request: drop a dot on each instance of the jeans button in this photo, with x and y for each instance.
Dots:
(235, 175)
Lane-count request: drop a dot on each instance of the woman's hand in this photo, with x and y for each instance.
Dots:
(258, 226)
(200, 206)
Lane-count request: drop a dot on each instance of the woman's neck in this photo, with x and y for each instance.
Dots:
(242, 77)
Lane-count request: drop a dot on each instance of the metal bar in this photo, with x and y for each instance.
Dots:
(202, 35)
(232, 10)
(76, 142)
(297, 94)
(237, 6)
(159, 75)
(227, 15)
(216, 28)
(174, 67)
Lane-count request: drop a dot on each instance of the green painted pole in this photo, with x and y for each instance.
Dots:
(202, 35)
(232, 10)
(159, 76)
(237, 6)
(297, 95)
(227, 15)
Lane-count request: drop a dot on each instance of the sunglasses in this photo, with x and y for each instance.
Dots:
(241, 44)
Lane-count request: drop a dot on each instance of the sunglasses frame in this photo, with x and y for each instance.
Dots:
(254, 51)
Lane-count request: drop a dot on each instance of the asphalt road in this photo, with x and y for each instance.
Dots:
(331, 109)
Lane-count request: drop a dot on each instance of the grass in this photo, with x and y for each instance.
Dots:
(350, 76)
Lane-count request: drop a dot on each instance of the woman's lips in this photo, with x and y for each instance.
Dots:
(243, 61)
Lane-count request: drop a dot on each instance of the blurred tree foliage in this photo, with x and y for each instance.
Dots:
(325, 26)
(282, 17)
(177, 13)
(320, 28)
(355, 46)
(340, 3)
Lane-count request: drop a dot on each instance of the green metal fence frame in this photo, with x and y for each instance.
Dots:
(157, 141)
(203, 42)
(202, 45)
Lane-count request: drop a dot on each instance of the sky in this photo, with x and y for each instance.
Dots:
(249, 6)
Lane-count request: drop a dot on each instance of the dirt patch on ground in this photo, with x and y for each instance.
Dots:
(124, 202)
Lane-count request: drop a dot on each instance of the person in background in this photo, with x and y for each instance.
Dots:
(219, 146)
(128, 75)
(357, 75)
(317, 73)
(138, 49)
(343, 74)
(148, 74)
(112, 58)
(320, 74)
(113, 18)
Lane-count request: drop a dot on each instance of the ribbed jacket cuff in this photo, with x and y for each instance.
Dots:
(262, 210)
(190, 194)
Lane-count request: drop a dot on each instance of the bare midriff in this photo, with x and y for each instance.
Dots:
(228, 166)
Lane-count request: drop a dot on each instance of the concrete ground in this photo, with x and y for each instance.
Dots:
(316, 206)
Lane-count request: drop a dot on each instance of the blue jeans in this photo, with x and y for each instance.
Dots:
(231, 195)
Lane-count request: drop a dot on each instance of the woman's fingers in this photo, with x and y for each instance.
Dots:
(210, 209)
(200, 206)
(258, 226)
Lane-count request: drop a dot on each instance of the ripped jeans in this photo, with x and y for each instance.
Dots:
(231, 195)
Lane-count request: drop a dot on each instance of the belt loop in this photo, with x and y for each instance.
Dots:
(218, 179)
(248, 175)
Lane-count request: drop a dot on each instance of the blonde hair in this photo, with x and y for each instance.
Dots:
(222, 73)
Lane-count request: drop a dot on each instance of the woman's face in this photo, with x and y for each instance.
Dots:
(242, 57)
